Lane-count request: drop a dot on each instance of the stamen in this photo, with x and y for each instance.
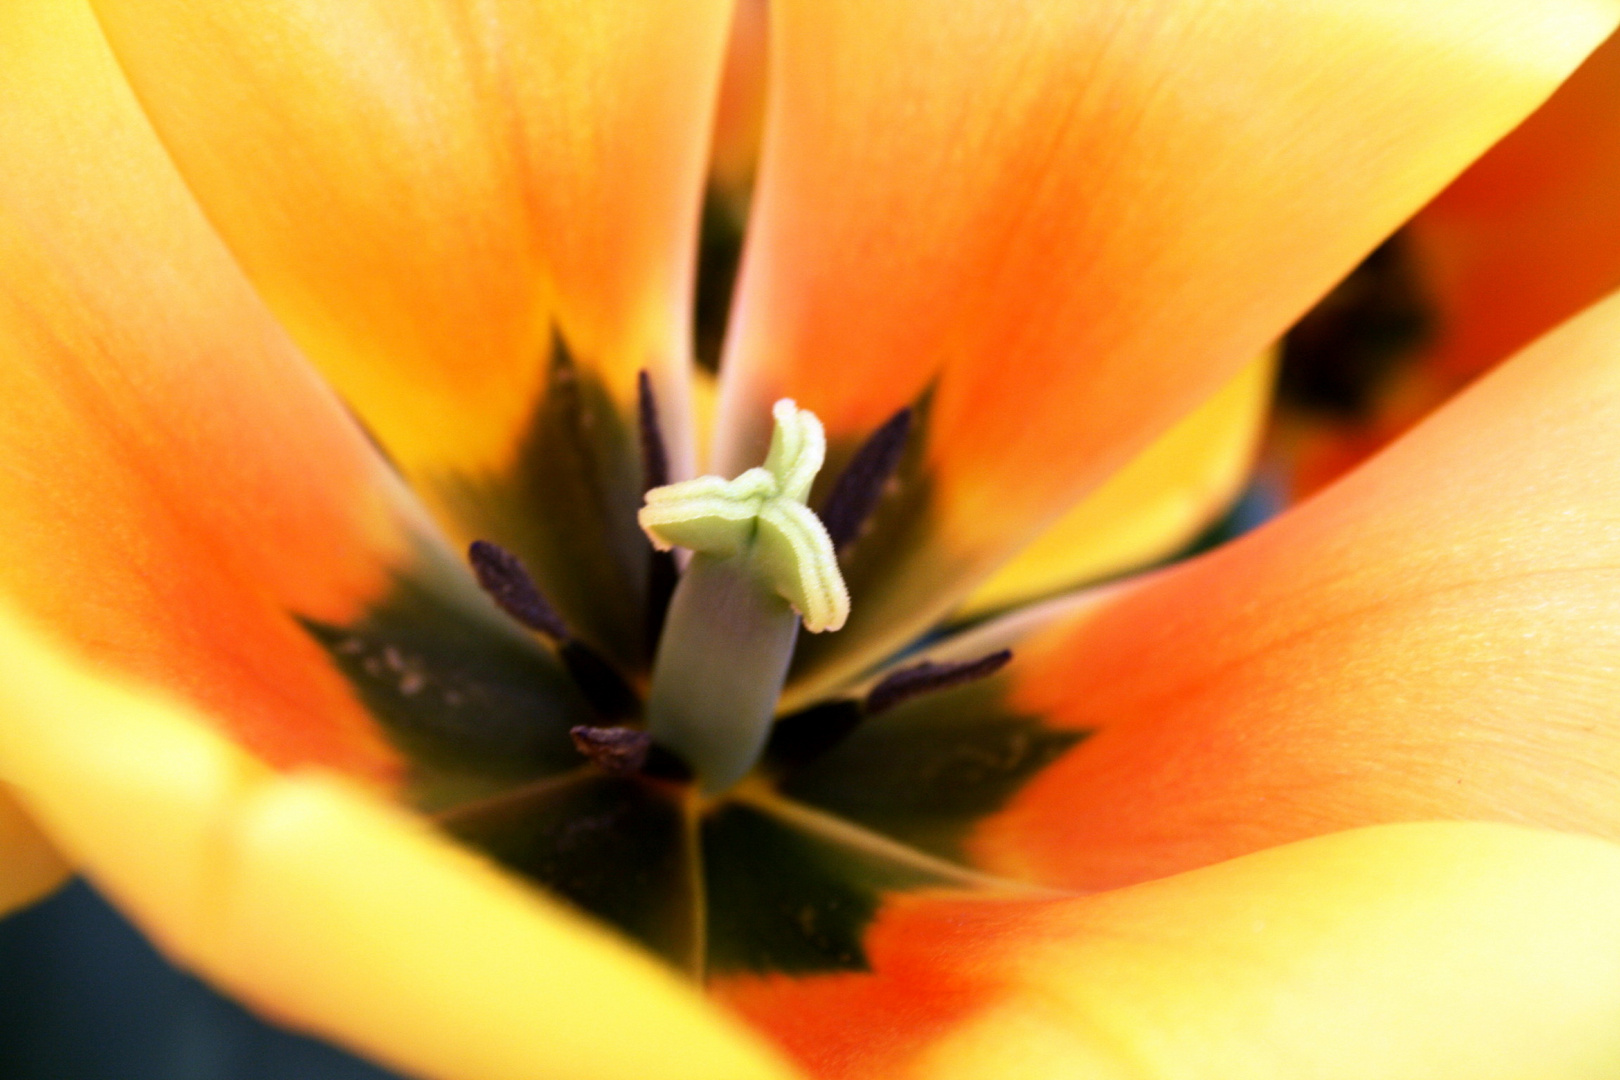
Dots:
(801, 737)
(927, 677)
(860, 486)
(620, 751)
(805, 735)
(504, 577)
(662, 573)
(654, 457)
(599, 681)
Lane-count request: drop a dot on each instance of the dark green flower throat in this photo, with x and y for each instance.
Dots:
(603, 720)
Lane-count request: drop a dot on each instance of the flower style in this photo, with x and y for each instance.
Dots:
(1335, 800)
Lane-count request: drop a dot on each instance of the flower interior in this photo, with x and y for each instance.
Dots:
(618, 736)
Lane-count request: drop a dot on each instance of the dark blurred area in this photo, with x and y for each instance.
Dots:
(83, 996)
(1338, 358)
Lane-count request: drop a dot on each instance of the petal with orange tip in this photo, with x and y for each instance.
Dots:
(1530, 234)
(30, 866)
(1422, 950)
(479, 220)
(184, 499)
(330, 911)
(1067, 223)
(1524, 239)
(176, 479)
(424, 189)
(1152, 507)
(1433, 637)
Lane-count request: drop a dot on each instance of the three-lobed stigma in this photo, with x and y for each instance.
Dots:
(761, 517)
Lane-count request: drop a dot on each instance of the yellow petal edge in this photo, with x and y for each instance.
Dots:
(1439, 951)
(331, 910)
(1153, 506)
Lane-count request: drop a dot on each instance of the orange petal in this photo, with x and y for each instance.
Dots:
(1460, 950)
(422, 189)
(1530, 234)
(1434, 637)
(332, 912)
(1076, 220)
(176, 478)
(29, 865)
(1153, 507)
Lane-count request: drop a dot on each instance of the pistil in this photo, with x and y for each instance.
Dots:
(762, 562)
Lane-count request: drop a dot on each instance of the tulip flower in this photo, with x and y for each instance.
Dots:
(375, 640)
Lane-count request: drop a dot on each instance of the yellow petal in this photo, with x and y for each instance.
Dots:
(1075, 221)
(1152, 507)
(421, 189)
(332, 911)
(1419, 951)
(29, 865)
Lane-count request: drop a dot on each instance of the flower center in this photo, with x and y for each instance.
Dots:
(629, 757)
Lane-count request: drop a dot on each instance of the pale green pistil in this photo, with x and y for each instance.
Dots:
(761, 515)
(761, 560)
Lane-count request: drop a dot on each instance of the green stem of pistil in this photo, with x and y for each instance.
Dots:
(720, 667)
